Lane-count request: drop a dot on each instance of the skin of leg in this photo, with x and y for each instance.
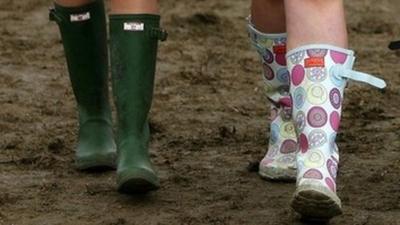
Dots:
(134, 6)
(73, 3)
(268, 16)
(315, 21)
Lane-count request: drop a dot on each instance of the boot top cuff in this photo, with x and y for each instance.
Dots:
(325, 47)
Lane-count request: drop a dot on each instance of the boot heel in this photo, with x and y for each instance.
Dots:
(137, 181)
(316, 202)
(97, 162)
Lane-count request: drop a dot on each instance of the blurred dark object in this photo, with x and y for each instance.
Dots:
(395, 45)
(253, 166)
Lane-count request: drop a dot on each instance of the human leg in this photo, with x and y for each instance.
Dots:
(315, 21)
(134, 7)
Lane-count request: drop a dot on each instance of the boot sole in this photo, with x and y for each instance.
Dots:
(137, 181)
(316, 203)
(278, 174)
(97, 163)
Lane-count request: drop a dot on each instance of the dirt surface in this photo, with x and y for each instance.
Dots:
(209, 121)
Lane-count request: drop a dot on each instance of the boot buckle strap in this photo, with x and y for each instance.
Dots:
(340, 72)
(53, 16)
(159, 33)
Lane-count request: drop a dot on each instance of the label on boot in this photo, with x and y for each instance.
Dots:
(80, 17)
(134, 26)
(279, 49)
(314, 62)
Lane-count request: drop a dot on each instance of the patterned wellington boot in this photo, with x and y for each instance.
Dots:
(279, 162)
(318, 77)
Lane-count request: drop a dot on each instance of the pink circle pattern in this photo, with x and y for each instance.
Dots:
(338, 57)
(335, 121)
(335, 98)
(332, 168)
(298, 74)
(280, 59)
(303, 142)
(331, 184)
(285, 101)
(288, 146)
(317, 117)
(313, 174)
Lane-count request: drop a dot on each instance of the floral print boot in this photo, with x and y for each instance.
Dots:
(279, 162)
(318, 78)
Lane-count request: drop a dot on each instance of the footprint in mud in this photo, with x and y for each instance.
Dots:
(95, 189)
(203, 18)
(372, 26)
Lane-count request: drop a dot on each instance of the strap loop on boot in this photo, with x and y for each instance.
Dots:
(339, 71)
(159, 33)
(54, 17)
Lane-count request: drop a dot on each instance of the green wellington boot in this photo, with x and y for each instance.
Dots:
(133, 46)
(84, 34)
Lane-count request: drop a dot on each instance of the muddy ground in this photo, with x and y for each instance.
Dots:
(209, 121)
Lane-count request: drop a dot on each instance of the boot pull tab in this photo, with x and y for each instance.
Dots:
(159, 34)
(53, 16)
(340, 72)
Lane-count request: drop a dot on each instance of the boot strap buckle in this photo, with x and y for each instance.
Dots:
(340, 72)
(53, 15)
(159, 33)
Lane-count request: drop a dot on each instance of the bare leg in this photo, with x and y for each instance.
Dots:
(73, 3)
(268, 16)
(315, 21)
(134, 6)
